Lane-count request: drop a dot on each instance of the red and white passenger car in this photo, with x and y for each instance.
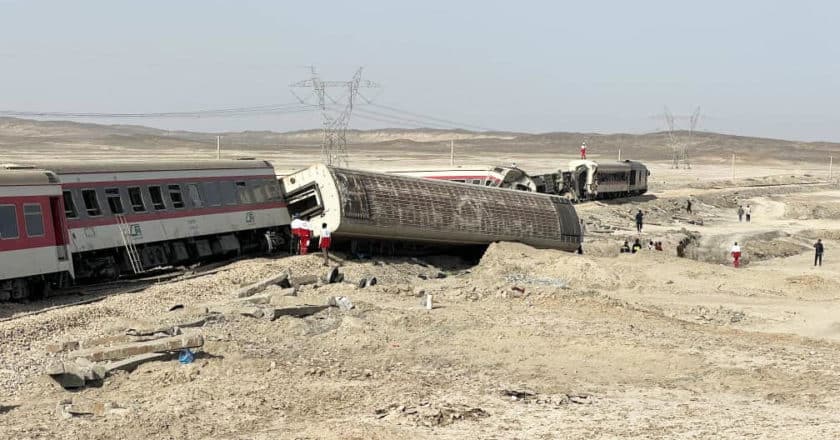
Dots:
(33, 236)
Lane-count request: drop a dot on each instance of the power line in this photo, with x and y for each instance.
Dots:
(431, 118)
(223, 112)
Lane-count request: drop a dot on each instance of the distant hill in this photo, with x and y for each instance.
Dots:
(23, 135)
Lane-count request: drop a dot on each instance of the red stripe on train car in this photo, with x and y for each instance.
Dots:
(170, 214)
(168, 181)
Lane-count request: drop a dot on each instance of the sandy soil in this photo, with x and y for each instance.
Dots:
(600, 345)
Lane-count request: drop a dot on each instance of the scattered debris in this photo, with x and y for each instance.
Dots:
(76, 407)
(528, 396)
(426, 414)
(342, 302)
(261, 285)
(521, 278)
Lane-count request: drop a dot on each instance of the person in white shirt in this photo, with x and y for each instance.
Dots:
(748, 213)
(324, 244)
(735, 250)
(305, 233)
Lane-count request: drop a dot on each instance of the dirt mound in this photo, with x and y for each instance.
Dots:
(812, 282)
(807, 211)
(523, 264)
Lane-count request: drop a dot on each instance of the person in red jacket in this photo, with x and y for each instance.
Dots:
(583, 150)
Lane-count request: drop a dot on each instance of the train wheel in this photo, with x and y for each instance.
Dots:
(20, 289)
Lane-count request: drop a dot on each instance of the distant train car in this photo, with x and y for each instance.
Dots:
(33, 236)
(589, 180)
(124, 217)
(492, 176)
(376, 206)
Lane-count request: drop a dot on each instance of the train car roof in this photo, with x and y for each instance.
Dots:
(27, 177)
(103, 166)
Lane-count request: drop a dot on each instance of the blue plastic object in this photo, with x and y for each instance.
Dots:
(186, 356)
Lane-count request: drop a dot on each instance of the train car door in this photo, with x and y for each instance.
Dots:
(59, 227)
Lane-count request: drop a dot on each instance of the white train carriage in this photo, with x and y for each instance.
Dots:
(492, 176)
(129, 216)
(33, 237)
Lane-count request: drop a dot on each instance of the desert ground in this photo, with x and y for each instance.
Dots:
(521, 343)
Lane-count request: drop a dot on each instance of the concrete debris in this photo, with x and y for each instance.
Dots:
(268, 296)
(171, 330)
(297, 311)
(332, 275)
(528, 396)
(342, 302)
(77, 407)
(553, 282)
(303, 280)
(173, 343)
(131, 363)
(429, 415)
(259, 286)
(62, 346)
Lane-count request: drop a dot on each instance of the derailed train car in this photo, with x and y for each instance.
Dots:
(375, 206)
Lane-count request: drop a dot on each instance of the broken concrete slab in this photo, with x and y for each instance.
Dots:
(122, 351)
(67, 374)
(131, 363)
(171, 330)
(296, 311)
(253, 312)
(261, 285)
(76, 407)
(266, 297)
(303, 280)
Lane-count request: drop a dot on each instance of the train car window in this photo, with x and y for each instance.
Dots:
(69, 205)
(476, 182)
(243, 193)
(175, 196)
(258, 191)
(195, 195)
(8, 222)
(212, 193)
(114, 200)
(459, 180)
(135, 196)
(488, 182)
(272, 191)
(34, 219)
(91, 202)
(228, 191)
(157, 198)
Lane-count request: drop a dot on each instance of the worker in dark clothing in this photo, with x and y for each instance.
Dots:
(818, 252)
(625, 248)
(688, 206)
(637, 246)
(639, 221)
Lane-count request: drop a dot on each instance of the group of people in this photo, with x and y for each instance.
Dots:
(742, 213)
(819, 248)
(302, 234)
(637, 246)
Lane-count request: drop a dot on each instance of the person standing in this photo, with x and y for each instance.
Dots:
(295, 227)
(741, 213)
(305, 232)
(639, 221)
(748, 213)
(688, 206)
(324, 243)
(583, 150)
(818, 252)
(735, 250)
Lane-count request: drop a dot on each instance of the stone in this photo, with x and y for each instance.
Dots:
(69, 375)
(62, 346)
(296, 311)
(253, 312)
(342, 302)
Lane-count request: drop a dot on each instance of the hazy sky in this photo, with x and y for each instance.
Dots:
(763, 68)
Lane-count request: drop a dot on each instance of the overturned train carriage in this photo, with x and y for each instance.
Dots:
(364, 205)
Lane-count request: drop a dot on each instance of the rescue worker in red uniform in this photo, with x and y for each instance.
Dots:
(295, 227)
(736, 254)
(583, 150)
(324, 244)
(305, 233)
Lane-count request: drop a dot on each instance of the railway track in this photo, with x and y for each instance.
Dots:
(92, 293)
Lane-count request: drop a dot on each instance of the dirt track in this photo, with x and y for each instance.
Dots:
(636, 346)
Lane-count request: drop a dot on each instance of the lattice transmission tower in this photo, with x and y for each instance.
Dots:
(336, 116)
(679, 148)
